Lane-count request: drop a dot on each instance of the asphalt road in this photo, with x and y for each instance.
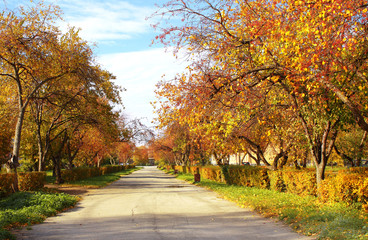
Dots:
(150, 204)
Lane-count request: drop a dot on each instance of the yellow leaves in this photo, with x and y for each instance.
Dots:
(322, 14)
(302, 39)
(299, 3)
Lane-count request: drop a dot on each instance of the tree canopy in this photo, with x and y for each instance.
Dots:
(284, 72)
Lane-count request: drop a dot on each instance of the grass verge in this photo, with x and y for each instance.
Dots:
(26, 208)
(305, 215)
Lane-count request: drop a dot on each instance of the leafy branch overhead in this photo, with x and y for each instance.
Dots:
(284, 73)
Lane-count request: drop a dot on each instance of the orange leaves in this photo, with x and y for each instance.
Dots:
(54, 73)
(259, 59)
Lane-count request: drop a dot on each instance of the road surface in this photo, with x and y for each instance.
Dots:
(150, 204)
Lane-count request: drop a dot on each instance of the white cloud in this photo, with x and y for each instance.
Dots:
(139, 72)
(105, 20)
(108, 22)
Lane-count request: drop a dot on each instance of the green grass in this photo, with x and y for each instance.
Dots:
(304, 214)
(26, 208)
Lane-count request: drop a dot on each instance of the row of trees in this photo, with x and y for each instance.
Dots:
(283, 73)
(56, 101)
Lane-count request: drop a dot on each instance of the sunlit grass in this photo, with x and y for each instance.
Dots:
(304, 214)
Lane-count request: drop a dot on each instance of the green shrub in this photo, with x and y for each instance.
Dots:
(349, 186)
(25, 208)
(110, 169)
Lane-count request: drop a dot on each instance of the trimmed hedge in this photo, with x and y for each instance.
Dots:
(6, 181)
(350, 186)
(31, 181)
(212, 173)
(75, 174)
(276, 181)
(248, 176)
(235, 175)
(300, 182)
(27, 181)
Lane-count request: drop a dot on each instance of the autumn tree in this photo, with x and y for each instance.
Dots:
(249, 50)
(73, 106)
(162, 148)
(124, 151)
(7, 122)
(38, 60)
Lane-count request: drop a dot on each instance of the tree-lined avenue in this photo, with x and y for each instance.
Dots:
(150, 204)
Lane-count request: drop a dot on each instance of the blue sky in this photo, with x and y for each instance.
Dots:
(123, 37)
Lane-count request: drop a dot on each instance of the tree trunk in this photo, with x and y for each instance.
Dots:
(361, 147)
(258, 163)
(305, 159)
(71, 156)
(320, 172)
(57, 170)
(296, 164)
(284, 160)
(261, 157)
(41, 155)
(218, 159)
(321, 151)
(56, 158)
(13, 163)
(275, 164)
(257, 149)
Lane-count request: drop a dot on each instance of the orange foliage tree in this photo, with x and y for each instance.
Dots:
(302, 62)
(54, 72)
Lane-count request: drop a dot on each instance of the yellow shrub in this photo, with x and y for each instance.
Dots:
(348, 186)
(248, 176)
(212, 173)
(276, 181)
(300, 182)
